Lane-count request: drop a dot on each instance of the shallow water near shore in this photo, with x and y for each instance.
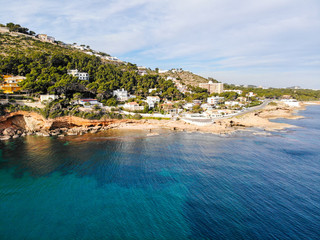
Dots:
(176, 185)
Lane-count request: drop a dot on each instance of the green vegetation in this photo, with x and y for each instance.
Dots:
(254, 103)
(45, 66)
(17, 28)
(277, 93)
(62, 107)
(156, 118)
(273, 104)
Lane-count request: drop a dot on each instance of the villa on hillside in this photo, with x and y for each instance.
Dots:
(171, 78)
(142, 72)
(214, 100)
(80, 75)
(188, 106)
(11, 83)
(233, 103)
(206, 106)
(4, 30)
(48, 97)
(114, 59)
(152, 100)
(251, 94)
(242, 99)
(122, 95)
(78, 47)
(133, 106)
(89, 102)
(46, 38)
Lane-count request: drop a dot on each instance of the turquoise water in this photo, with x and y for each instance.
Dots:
(124, 185)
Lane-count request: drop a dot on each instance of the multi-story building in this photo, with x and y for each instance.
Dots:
(11, 83)
(212, 87)
(80, 75)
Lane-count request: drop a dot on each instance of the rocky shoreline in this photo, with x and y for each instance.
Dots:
(22, 123)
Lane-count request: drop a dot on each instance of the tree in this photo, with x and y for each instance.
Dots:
(229, 95)
(77, 96)
(196, 109)
(112, 102)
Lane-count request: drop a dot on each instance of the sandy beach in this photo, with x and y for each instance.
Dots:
(257, 119)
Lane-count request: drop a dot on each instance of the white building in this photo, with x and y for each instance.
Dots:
(133, 106)
(122, 95)
(162, 71)
(142, 72)
(233, 103)
(251, 94)
(89, 102)
(152, 100)
(151, 90)
(78, 47)
(214, 100)
(174, 70)
(291, 102)
(48, 97)
(206, 106)
(80, 75)
(171, 78)
(188, 106)
(110, 58)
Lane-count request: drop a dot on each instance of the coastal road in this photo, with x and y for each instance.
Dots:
(211, 120)
(252, 109)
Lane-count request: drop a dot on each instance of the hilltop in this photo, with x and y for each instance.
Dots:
(186, 77)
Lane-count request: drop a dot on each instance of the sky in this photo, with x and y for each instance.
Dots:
(272, 43)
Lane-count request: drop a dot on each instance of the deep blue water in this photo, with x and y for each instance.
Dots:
(124, 185)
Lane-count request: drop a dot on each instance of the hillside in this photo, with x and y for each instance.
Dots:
(45, 66)
(186, 77)
(18, 43)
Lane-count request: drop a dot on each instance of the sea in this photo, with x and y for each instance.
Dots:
(125, 184)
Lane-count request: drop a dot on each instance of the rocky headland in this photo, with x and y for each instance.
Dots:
(22, 123)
